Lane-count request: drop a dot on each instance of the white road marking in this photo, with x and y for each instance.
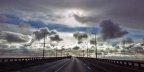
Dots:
(61, 67)
(88, 67)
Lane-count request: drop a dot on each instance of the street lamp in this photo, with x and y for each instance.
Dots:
(95, 45)
(56, 51)
(43, 47)
(62, 48)
(87, 48)
(83, 50)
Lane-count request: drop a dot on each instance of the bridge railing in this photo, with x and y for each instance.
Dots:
(127, 63)
(8, 64)
(24, 59)
(19, 59)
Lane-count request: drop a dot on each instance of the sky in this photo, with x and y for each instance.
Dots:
(68, 22)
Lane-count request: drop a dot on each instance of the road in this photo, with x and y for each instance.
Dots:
(66, 65)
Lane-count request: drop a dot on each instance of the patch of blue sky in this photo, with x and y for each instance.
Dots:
(37, 24)
(12, 19)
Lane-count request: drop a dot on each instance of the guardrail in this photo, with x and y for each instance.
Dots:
(18, 59)
(129, 63)
(8, 64)
(132, 64)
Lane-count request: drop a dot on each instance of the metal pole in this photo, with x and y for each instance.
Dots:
(87, 49)
(124, 43)
(56, 51)
(83, 51)
(61, 52)
(64, 52)
(44, 46)
(96, 45)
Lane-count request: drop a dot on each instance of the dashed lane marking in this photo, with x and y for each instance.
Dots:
(86, 65)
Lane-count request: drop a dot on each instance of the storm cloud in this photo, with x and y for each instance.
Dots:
(86, 19)
(40, 33)
(55, 38)
(111, 30)
(14, 37)
(128, 13)
(53, 32)
(80, 35)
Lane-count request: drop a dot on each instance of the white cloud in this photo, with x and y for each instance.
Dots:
(68, 39)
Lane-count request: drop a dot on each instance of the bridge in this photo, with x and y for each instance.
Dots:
(69, 64)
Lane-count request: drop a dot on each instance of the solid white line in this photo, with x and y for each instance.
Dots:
(61, 67)
(88, 67)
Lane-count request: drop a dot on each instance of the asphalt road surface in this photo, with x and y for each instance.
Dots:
(66, 65)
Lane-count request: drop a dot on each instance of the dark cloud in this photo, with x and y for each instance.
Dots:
(76, 48)
(85, 19)
(110, 30)
(55, 38)
(80, 35)
(92, 41)
(14, 37)
(129, 13)
(80, 42)
(80, 19)
(53, 32)
(40, 33)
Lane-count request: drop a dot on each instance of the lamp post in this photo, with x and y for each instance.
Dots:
(44, 46)
(83, 50)
(62, 48)
(124, 41)
(87, 48)
(95, 45)
(43, 51)
(56, 51)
